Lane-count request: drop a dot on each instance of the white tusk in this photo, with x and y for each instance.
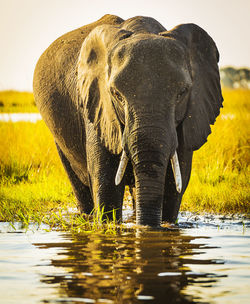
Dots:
(121, 169)
(177, 172)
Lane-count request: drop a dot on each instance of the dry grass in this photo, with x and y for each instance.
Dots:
(220, 175)
(15, 102)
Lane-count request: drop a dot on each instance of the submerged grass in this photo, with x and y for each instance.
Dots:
(34, 186)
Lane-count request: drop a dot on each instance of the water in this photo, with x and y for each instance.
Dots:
(15, 117)
(206, 260)
(34, 117)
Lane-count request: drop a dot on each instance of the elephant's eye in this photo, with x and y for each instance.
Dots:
(116, 95)
(182, 93)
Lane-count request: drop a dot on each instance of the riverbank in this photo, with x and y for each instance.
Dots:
(33, 182)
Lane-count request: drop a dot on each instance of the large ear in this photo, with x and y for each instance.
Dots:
(205, 97)
(95, 98)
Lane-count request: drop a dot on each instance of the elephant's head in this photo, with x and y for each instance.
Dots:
(138, 83)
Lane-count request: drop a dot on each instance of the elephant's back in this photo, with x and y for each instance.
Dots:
(56, 68)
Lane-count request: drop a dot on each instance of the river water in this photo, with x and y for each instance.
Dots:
(204, 260)
(16, 117)
(34, 117)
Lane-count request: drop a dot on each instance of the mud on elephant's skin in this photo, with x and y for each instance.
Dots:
(134, 89)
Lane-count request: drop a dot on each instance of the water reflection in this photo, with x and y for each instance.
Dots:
(133, 267)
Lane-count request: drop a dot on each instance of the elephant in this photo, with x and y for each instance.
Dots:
(127, 103)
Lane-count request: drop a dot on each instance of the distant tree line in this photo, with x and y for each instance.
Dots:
(235, 78)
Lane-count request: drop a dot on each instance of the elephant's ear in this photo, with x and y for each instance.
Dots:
(205, 97)
(95, 97)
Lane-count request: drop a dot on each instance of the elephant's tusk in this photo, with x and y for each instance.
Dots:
(121, 169)
(177, 172)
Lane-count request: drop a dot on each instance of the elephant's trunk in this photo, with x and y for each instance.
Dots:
(149, 199)
(150, 150)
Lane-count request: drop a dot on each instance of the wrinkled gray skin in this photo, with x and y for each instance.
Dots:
(129, 85)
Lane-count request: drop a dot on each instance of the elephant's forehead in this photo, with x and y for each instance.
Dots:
(149, 49)
(151, 57)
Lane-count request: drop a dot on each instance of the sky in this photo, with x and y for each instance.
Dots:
(28, 27)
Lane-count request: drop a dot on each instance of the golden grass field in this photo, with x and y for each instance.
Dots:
(33, 182)
(16, 102)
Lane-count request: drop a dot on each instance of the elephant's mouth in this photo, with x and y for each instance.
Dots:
(175, 167)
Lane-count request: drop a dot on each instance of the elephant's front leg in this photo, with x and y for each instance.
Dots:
(172, 198)
(102, 167)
